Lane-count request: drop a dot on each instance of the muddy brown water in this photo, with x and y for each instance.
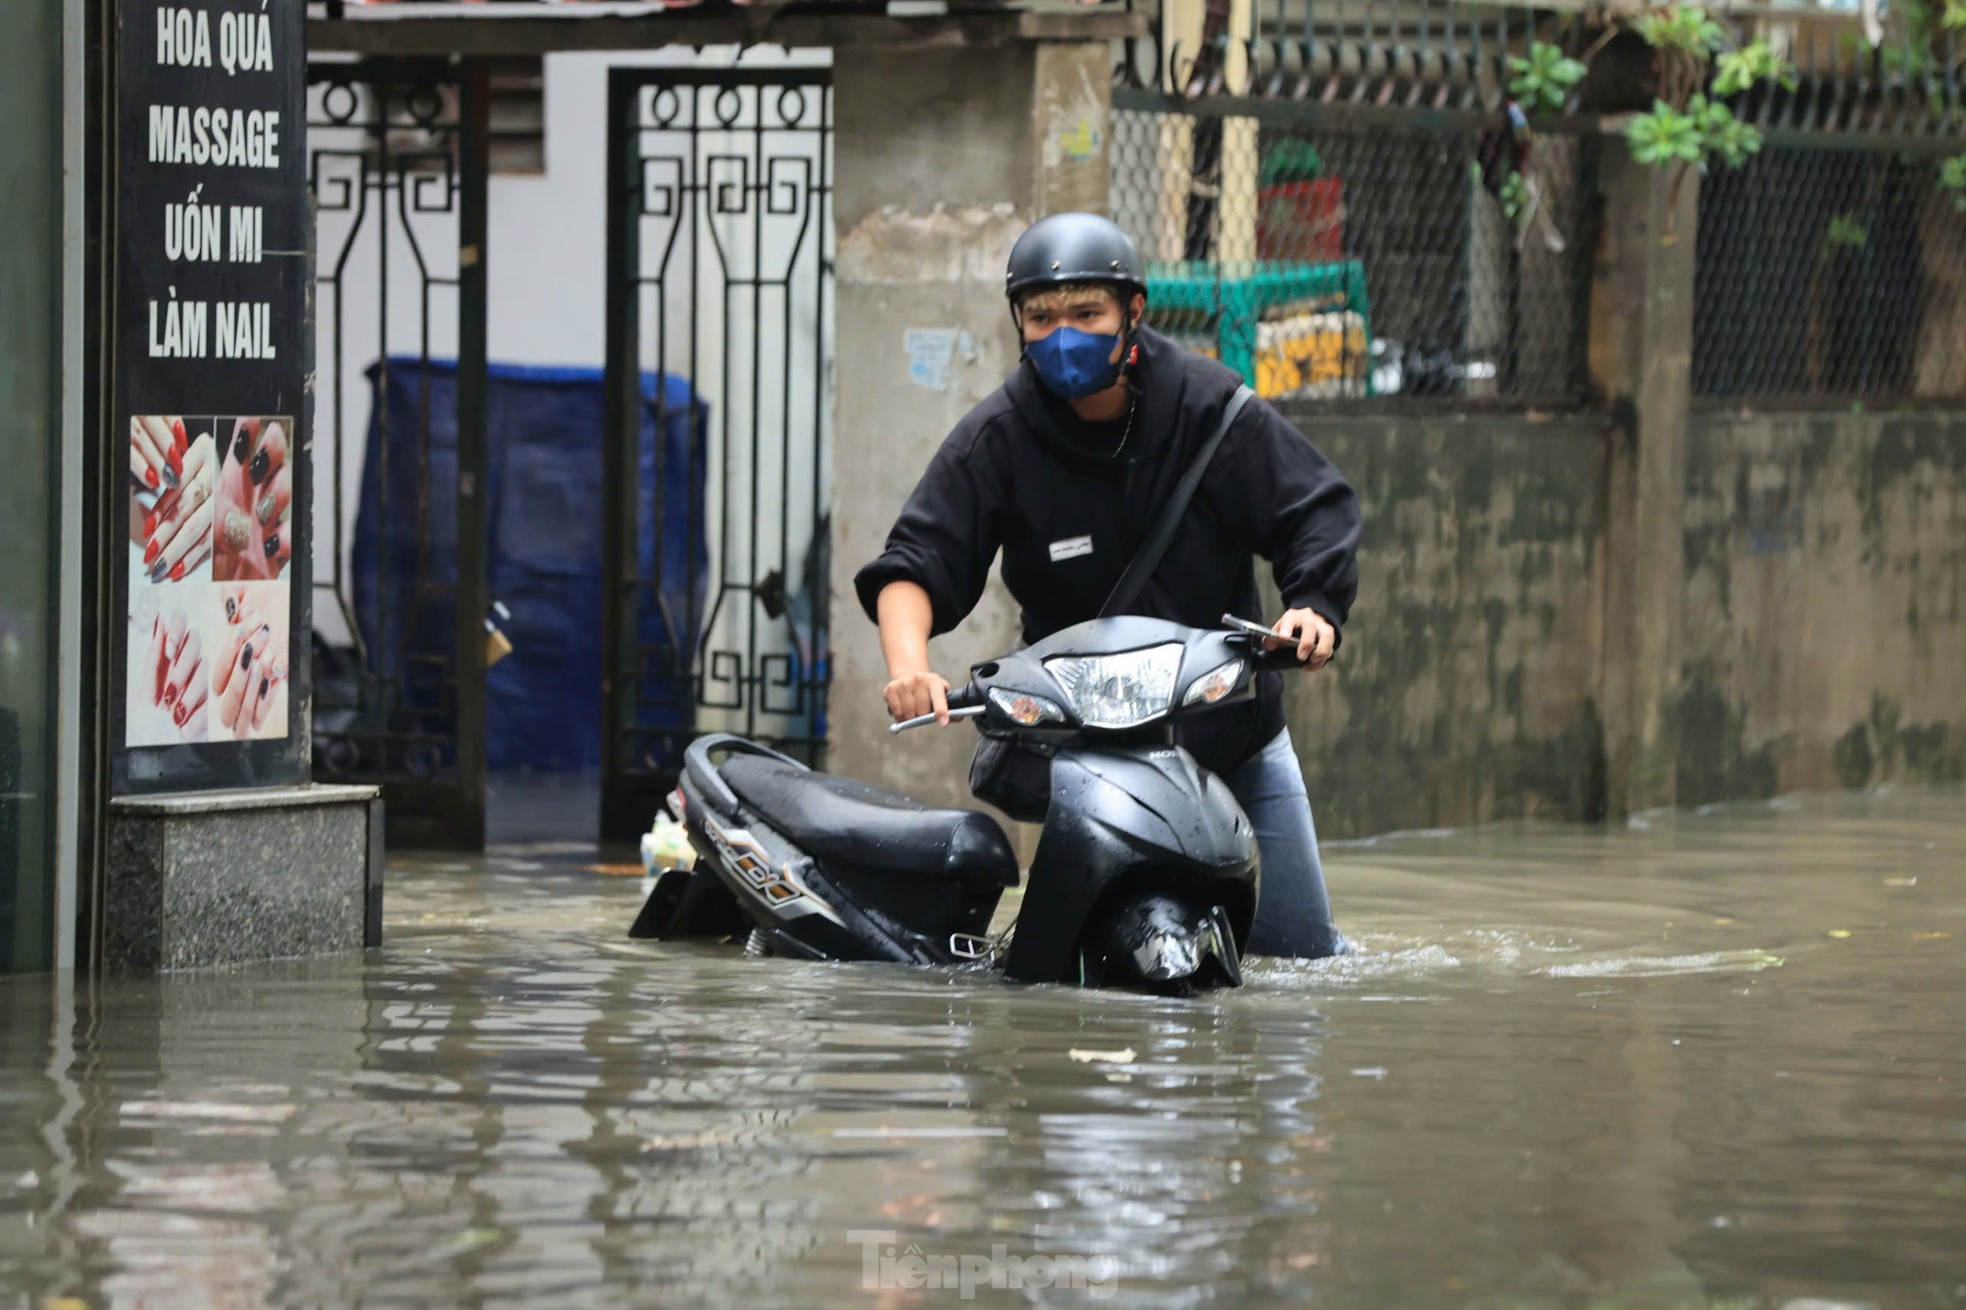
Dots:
(1714, 1060)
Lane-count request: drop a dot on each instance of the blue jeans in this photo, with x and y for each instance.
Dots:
(1293, 911)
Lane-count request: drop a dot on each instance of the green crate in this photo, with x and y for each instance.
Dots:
(1235, 297)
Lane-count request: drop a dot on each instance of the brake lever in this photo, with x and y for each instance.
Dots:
(923, 720)
(1264, 660)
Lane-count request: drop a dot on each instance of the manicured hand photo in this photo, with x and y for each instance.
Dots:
(255, 502)
(250, 679)
(177, 530)
(157, 449)
(175, 664)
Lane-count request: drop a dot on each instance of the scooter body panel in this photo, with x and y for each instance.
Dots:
(826, 910)
(1146, 817)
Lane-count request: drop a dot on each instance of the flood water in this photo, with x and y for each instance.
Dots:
(1713, 1061)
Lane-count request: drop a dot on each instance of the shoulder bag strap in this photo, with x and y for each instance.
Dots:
(1134, 580)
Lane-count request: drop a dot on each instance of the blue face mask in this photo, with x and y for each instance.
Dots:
(1073, 364)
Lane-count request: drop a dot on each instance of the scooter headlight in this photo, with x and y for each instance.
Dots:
(1021, 707)
(1119, 691)
(1213, 685)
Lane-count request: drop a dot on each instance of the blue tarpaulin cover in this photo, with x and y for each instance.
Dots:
(544, 512)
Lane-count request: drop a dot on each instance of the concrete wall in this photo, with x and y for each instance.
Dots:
(1821, 642)
(1466, 687)
(944, 157)
(1824, 638)
(1821, 619)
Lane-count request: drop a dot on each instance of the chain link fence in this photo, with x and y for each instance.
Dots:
(1829, 275)
(1345, 262)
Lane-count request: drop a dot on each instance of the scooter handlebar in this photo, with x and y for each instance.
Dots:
(964, 703)
(1254, 638)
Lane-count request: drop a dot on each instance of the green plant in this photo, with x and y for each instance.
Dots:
(1736, 71)
(1514, 197)
(1911, 58)
(1721, 134)
(1683, 28)
(1544, 80)
(1704, 130)
(1952, 177)
(1845, 232)
(1918, 48)
(1664, 135)
(1687, 127)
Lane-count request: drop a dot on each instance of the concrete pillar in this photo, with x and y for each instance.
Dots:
(1164, 232)
(942, 157)
(1491, 242)
(217, 847)
(1236, 242)
(1641, 352)
(197, 879)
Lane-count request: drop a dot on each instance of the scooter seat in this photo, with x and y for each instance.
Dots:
(836, 819)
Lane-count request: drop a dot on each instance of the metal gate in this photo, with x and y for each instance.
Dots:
(398, 168)
(720, 260)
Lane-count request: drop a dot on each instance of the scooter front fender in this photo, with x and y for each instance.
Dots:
(1113, 815)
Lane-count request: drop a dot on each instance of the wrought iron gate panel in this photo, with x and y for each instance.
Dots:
(398, 176)
(719, 264)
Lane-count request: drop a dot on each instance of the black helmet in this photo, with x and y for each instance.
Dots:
(1073, 248)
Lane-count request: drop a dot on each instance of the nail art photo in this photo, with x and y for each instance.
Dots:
(248, 682)
(255, 494)
(170, 651)
(176, 460)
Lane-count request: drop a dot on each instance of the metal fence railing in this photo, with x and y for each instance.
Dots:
(1345, 258)
(1344, 200)
(1888, 69)
(1821, 276)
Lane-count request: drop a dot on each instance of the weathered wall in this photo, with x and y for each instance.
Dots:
(1465, 688)
(1822, 622)
(1822, 625)
(1824, 640)
(944, 156)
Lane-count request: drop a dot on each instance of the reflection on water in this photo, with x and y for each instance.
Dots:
(1712, 1061)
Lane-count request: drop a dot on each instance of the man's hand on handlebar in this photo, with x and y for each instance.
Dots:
(1316, 639)
(916, 694)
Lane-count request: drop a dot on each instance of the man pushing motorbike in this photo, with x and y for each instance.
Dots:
(1065, 469)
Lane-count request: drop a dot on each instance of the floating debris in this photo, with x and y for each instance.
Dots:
(1749, 961)
(1105, 1057)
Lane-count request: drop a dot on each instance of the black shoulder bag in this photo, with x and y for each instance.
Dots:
(1014, 775)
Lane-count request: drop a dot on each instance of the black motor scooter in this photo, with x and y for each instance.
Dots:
(1145, 873)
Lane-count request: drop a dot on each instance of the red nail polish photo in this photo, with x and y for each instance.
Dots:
(176, 458)
(177, 571)
(177, 431)
(151, 552)
(150, 477)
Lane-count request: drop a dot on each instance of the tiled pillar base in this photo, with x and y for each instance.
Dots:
(215, 878)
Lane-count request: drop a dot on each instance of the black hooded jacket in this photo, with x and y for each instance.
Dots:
(1022, 473)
